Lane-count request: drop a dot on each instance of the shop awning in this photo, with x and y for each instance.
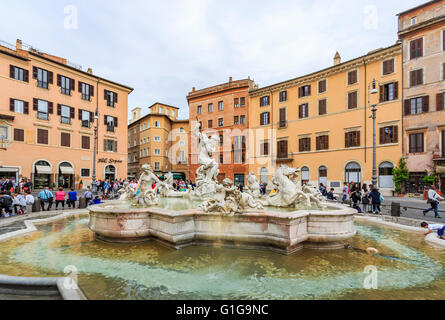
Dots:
(440, 169)
(43, 169)
(9, 169)
(67, 170)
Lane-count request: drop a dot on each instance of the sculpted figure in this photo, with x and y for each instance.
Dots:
(253, 186)
(146, 195)
(126, 192)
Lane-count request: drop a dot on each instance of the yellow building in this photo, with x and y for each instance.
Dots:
(321, 122)
(158, 139)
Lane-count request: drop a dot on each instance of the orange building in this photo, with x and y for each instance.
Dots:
(47, 120)
(222, 110)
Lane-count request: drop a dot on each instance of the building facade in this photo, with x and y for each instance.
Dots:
(160, 140)
(321, 122)
(422, 32)
(222, 110)
(48, 112)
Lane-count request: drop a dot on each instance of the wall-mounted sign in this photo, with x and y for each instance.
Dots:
(106, 160)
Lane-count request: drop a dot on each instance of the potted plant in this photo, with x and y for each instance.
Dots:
(80, 184)
(401, 174)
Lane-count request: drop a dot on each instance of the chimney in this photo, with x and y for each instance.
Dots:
(230, 79)
(193, 89)
(337, 59)
(90, 71)
(18, 44)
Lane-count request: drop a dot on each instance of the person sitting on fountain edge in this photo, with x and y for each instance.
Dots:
(434, 227)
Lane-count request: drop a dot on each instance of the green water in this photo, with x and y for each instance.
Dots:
(408, 268)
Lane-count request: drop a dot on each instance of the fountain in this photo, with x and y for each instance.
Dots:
(285, 221)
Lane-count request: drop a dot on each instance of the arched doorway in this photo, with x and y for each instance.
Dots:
(353, 172)
(66, 175)
(386, 175)
(42, 174)
(264, 175)
(323, 175)
(305, 175)
(110, 173)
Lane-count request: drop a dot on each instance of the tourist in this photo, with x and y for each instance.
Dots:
(60, 198)
(5, 204)
(331, 195)
(29, 198)
(88, 195)
(96, 200)
(355, 195)
(376, 200)
(439, 228)
(46, 196)
(433, 201)
(365, 198)
(346, 192)
(19, 204)
(72, 198)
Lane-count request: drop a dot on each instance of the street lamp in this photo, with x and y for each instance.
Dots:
(94, 186)
(374, 90)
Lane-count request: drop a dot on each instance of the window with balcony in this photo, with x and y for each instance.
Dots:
(111, 123)
(86, 118)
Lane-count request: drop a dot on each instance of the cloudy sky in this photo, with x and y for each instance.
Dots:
(162, 48)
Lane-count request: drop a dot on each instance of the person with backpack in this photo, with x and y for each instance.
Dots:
(46, 196)
(6, 202)
(365, 199)
(433, 201)
(355, 195)
(88, 195)
(376, 199)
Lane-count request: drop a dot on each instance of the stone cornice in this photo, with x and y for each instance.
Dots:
(380, 54)
(421, 26)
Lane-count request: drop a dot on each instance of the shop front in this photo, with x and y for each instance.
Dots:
(10, 173)
(66, 176)
(440, 172)
(42, 175)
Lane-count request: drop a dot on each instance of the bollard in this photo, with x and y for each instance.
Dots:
(395, 209)
(36, 205)
(82, 203)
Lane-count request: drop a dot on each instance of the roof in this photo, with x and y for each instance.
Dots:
(157, 115)
(163, 104)
(426, 4)
(220, 88)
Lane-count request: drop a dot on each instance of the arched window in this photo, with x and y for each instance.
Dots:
(66, 175)
(305, 175)
(110, 173)
(385, 175)
(264, 175)
(323, 175)
(42, 175)
(353, 172)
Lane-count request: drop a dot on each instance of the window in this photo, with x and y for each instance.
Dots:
(416, 77)
(303, 111)
(283, 121)
(157, 166)
(65, 113)
(42, 136)
(242, 102)
(86, 90)
(111, 98)
(305, 144)
(264, 149)
(389, 134)
(388, 67)
(86, 117)
(304, 91)
(157, 139)
(417, 105)
(65, 139)
(389, 92)
(242, 119)
(413, 21)
(43, 77)
(157, 124)
(86, 142)
(160, 109)
(283, 96)
(440, 99)
(43, 108)
(220, 106)
(322, 107)
(220, 122)
(221, 140)
(18, 106)
(110, 122)
(210, 107)
(199, 109)
(322, 142)
(282, 149)
(236, 120)
(416, 143)
(19, 135)
(265, 118)
(264, 101)
(221, 158)
(181, 130)
(157, 152)
(352, 139)
(352, 77)
(66, 84)
(110, 145)
(167, 112)
(210, 123)
(322, 86)
(85, 173)
(416, 48)
(18, 73)
(236, 102)
(4, 133)
(352, 100)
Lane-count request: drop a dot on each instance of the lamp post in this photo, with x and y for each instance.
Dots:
(94, 186)
(374, 137)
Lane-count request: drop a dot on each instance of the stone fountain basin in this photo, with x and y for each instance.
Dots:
(283, 232)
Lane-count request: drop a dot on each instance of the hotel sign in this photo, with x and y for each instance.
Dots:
(106, 160)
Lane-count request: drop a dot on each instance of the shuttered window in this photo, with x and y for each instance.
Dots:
(264, 149)
(210, 123)
(303, 111)
(416, 144)
(86, 118)
(43, 77)
(322, 87)
(236, 102)
(352, 77)
(322, 142)
(389, 92)
(304, 144)
(265, 118)
(417, 105)
(388, 66)
(110, 97)
(264, 101)
(283, 96)
(65, 139)
(322, 109)
(66, 84)
(242, 102)
(416, 48)
(19, 135)
(416, 77)
(110, 145)
(389, 134)
(43, 108)
(282, 149)
(85, 173)
(304, 91)
(66, 113)
(352, 139)
(283, 121)
(18, 106)
(18, 73)
(42, 136)
(199, 110)
(110, 122)
(86, 91)
(86, 142)
(440, 98)
(352, 100)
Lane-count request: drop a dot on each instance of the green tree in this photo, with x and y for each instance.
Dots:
(429, 180)
(401, 174)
